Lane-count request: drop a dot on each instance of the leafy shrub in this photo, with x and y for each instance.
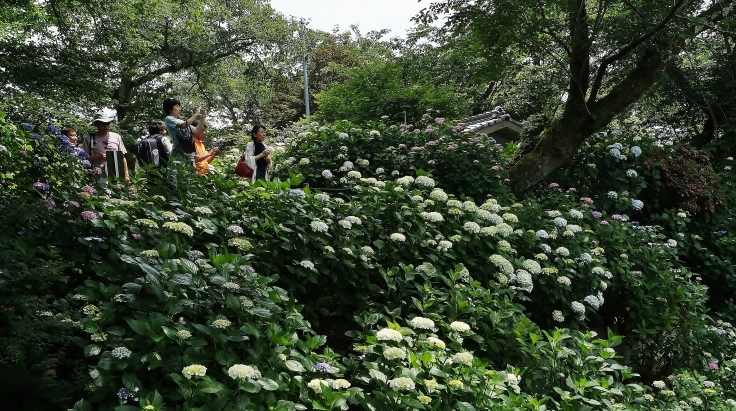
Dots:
(191, 292)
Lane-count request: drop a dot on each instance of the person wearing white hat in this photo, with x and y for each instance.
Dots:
(97, 144)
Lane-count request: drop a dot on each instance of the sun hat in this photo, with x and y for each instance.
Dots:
(101, 117)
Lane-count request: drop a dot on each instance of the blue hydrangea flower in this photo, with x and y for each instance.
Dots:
(36, 137)
(26, 126)
(86, 164)
(80, 153)
(125, 394)
(62, 138)
(52, 129)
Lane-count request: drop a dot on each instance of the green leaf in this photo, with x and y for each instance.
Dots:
(183, 279)
(464, 406)
(210, 387)
(250, 386)
(294, 365)
(268, 384)
(138, 326)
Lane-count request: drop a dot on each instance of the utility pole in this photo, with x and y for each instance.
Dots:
(303, 29)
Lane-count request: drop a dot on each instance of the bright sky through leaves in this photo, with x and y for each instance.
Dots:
(394, 15)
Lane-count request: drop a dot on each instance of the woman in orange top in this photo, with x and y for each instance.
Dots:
(202, 157)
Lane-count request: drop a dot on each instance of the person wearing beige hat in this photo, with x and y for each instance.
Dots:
(97, 144)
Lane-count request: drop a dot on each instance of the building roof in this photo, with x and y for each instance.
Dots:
(487, 119)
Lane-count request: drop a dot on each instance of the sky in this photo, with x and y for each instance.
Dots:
(394, 15)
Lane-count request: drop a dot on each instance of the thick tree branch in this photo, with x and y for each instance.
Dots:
(190, 62)
(621, 53)
(579, 53)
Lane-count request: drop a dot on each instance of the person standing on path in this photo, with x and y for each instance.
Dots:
(172, 109)
(99, 143)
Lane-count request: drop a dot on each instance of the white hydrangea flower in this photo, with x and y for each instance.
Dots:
(444, 246)
(345, 224)
(557, 316)
(307, 264)
(194, 370)
(340, 384)
(316, 385)
(401, 384)
(243, 372)
(121, 352)
(422, 323)
(327, 174)
(512, 218)
(532, 266)
(424, 181)
(398, 237)
(502, 263)
(405, 181)
(459, 326)
(577, 307)
(354, 174)
(394, 353)
(388, 334)
(576, 214)
(541, 234)
(438, 195)
(631, 173)
(464, 358)
(563, 280)
(354, 220)
(562, 251)
(586, 258)
(560, 222)
(471, 227)
(436, 342)
(593, 301)
(505, 230)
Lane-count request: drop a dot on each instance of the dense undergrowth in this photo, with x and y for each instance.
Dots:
(387, 268)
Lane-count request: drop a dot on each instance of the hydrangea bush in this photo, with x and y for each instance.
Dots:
(211, 293)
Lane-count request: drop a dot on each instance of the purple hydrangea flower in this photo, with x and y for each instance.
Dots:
(86, 164)
(429, 129)
(458, 128)
(89, 189)
(439, 120)
(322, 367)
(49, 203)
(597, 214)
(88, 215)
(40, 186)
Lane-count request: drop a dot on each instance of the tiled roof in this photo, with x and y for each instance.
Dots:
(487, 119)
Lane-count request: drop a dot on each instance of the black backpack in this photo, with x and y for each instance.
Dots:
(185, 139)
(151, 150)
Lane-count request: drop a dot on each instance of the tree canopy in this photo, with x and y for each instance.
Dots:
(611, 53)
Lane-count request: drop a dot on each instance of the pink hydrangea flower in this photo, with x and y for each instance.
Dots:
(713, 366)
(439, 120)
(430, 162)
(88, 215)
